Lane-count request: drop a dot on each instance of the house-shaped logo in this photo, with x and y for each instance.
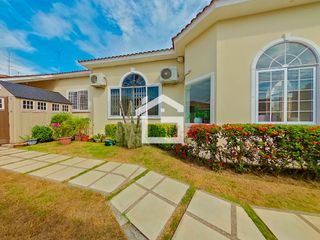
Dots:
(178, 121)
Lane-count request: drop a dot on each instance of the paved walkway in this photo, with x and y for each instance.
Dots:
(144, 208)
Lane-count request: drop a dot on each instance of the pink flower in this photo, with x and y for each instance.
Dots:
(56, 125)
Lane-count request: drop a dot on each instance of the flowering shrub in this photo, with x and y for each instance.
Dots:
(272, 148)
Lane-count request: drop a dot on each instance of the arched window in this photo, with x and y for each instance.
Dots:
(133, 88)
(286, 84)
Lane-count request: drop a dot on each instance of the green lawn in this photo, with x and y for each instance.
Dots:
(36, 209)
(266, 191)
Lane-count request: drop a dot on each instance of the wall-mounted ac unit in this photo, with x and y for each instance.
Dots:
(98, 80)
(169, 75)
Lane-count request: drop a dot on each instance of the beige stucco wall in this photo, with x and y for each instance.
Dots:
(229, 47)
(151, 72)
(98, 97)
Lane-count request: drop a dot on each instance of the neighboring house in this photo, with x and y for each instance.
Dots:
(22, 107)
(253, 61)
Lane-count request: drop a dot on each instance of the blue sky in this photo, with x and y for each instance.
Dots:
(43, 36)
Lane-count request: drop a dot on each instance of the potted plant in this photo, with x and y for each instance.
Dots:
(200, 115)
(85, 124)
(77, 122)
(63, 132)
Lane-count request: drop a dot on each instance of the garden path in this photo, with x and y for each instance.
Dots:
(144, 202)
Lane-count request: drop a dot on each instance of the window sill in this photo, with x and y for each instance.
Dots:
(120, 118)
(79, 111)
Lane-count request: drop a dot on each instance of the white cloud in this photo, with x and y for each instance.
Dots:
(145, 25)
(50, 25)
(18, 66)
(11, 40)
(14, 39)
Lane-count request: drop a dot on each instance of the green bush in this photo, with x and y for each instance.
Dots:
(81, 125)
(111, 131)
(42, 133)
(162, 130)
(61, 117)
(246, 147)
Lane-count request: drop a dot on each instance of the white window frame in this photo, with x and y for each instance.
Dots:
(285, 96)
(213, 102)
(2, 105)
(45, 106)
(79, 90)
(55, 104)
(26, 109)
(159, 85)
(254, 80)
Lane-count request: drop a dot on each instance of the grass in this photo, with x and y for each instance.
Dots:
(244, 189)
(266, 191)
(35, 209)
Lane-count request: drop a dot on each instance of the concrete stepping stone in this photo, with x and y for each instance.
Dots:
(212, 216)
(4, 160)
(150, 180)
(172, 190)
(52, 158)
(89, 163)
(150, 216)
(15, 165)
(290, 225)
(108, 167)
(65, 174)
(191, 229)
(73, 161)
(31, 167)
(126, 170)
(28, 154)
(150, 202)
(11, 151)
(127, 197)
(48, 170)
(108, 184)
(87, 179)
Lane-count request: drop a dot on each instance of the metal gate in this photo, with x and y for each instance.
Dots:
(4, 121)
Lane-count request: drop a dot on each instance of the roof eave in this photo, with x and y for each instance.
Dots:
(129, 59)
(45, 77)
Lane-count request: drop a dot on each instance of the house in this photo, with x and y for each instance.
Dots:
(22, 107)
(237, 61)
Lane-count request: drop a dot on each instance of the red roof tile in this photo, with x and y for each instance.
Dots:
(46, 74)
(126, 55)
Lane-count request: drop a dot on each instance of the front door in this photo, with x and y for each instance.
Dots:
(4, 121)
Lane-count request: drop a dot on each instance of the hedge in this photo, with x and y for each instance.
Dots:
(267, 148)
(154, 130)
(42, 133)
(111, 131)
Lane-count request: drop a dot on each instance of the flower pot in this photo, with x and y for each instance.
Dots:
(108, 143)
(84, 138)
(65, 140)
(77, 137)
(32, 142)
(197, 120)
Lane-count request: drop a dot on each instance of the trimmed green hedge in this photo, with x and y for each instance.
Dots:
(154, 130)
(111, 131)
(267, 148)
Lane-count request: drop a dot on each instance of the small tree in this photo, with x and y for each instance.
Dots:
(129, 132)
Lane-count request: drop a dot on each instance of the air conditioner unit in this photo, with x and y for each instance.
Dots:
(98, 80)
(169, 75)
